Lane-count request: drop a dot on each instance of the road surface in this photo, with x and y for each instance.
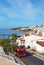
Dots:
(31, 60)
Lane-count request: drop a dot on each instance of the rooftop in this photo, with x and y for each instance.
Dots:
(40, 43)
(22, 39)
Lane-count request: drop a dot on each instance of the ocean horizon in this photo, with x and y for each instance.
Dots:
(9, 32)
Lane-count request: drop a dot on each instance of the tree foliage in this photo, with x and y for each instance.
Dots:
(14, 37)
(6, 46)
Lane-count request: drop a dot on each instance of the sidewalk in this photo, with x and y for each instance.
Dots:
(36, 54)
(17, 60)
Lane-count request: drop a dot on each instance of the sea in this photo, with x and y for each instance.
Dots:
(4, 32)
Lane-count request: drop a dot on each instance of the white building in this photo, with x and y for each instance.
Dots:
(31, 41)
(43, 33)
(40, 46)
(28, 40)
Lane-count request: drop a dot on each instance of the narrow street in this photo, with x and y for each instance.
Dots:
(31, 60)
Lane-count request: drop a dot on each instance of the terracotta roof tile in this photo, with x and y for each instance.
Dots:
(22, 39)
(26, 34)
(39, 34)
(40, 43)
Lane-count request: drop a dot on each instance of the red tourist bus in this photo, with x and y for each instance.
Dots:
(20, 51)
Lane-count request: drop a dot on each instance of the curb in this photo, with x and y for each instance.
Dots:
(39, 56)
(18, 61)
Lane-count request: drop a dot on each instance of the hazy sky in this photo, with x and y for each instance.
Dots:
(14, 13)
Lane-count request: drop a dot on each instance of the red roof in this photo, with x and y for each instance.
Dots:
(22, 39)
(39, 34)
(27, 34)
(40, 43)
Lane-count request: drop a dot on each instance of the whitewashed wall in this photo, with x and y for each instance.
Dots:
(43, 33)
(39, 48)
(31, 41)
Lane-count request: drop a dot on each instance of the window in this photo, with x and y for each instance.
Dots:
(23, 42)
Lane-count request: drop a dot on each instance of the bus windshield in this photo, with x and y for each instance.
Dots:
(21, 46)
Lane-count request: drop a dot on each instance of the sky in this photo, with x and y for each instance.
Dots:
(21, 13)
